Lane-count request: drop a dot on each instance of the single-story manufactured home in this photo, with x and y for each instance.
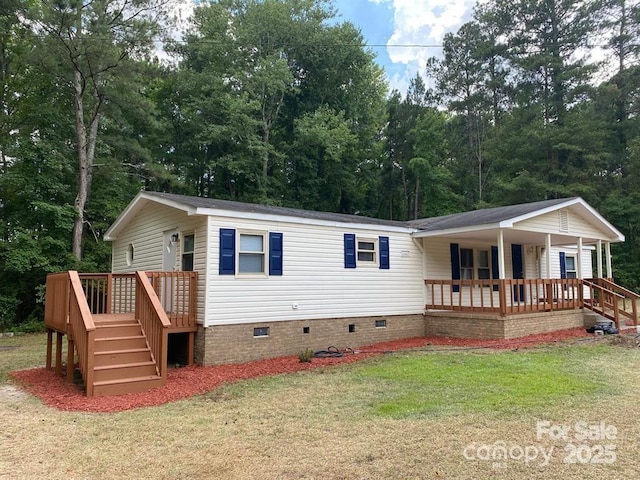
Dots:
(219, 281)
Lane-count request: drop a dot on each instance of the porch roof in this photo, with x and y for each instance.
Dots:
(512, 220)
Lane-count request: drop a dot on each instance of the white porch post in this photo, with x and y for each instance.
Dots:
(579, 266)
(607, 248)
(599, 258)
(547, 254)
(501, 269)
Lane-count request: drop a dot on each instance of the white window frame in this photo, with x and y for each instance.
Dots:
(571, 273)
(478, 267)
(475, 267)
(183, 252)
(374, 252)
(240, 252)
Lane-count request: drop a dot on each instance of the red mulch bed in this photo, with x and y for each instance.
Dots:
(193, 380)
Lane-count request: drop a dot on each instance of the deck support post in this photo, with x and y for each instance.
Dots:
(607, 247)
(49, 348)
(59, 353)
(70, 359)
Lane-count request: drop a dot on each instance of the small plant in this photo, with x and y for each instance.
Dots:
(305, 356)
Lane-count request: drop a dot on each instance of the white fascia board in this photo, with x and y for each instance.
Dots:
(139, 201)
(451, 232)
(299, 220)
(616, 234)
(509, 222)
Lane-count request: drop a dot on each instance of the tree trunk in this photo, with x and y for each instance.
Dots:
(86, 145)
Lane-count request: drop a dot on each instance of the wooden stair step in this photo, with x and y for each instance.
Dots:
(116, 330)
(114, 317)
(129, 385)
(124, 371)
(114, 357)
(120, 343)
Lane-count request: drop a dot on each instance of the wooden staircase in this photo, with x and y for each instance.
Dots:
(123, 362)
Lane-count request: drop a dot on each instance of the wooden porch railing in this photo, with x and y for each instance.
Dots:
(506, 296)
(611, 300)
(116, 293)
(81, 331)
(153, 320)
(56, 301)
(177, 292)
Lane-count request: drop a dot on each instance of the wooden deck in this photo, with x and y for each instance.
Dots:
(117, 326)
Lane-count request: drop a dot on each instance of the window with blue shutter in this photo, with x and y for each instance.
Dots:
(495, 270)
(275, 253)
(383, 243)
(455, 264)
(227, 251)
(349, 250)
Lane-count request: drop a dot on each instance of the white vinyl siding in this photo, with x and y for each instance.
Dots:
(314, 283)
(550, 222)
(145, 232)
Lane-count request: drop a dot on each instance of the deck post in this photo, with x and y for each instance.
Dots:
(607, 248)
(49, 347)
(59, 353)
(70, 359)
(503, 297)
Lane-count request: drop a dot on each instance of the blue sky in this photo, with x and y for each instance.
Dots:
(404, 23)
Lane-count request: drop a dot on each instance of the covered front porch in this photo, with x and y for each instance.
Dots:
(537, 258)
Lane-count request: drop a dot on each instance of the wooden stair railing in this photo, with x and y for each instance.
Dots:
(154, 321)
(81, 332)
(610, 300)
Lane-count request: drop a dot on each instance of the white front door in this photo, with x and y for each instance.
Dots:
(169, 259)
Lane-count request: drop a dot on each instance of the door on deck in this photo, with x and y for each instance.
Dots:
(518, 271)
(169, 259)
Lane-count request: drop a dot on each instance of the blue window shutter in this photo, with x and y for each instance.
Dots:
(275, 253)
(495, 270)
(383, 242)
(349, 250)
(455, 265)
(563, 265)
(227, 251)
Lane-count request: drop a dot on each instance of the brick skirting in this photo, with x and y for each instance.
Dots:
(236, 343)
(467, 325)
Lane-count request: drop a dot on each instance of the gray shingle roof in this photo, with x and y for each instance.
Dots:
(214, 203)
(456, 220)
(485, 216)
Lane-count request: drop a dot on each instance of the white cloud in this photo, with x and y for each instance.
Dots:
(422, 23)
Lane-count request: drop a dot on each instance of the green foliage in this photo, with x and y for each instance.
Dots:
(305, 356)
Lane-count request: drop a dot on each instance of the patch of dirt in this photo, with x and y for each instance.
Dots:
(628, 341)
(193, 380)
(11, 393)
